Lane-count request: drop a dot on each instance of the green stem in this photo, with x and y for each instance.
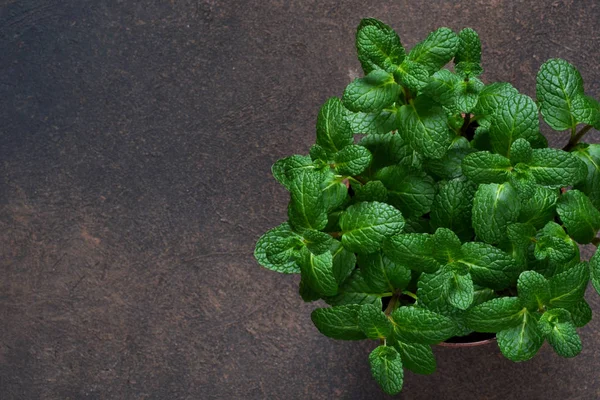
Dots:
(411, 294)
(576, 137)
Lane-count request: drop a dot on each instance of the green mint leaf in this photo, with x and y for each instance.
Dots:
(469, 47)
(557, 83)
(374, 92)
(306, 209)
(411, 192)
(555, 167)
(586, 110)
(317, 272)
(490, 266)
(375, 123)
(494, 207)
(382, 273)
(534, 290)
(280, 250)
(338, 322)
(343, 262)
(550, 267)
(496, 315)
(436, 50)
(446, 246)
(423, 124)
(333, 130)
(581, 313)
(412, 75)
(318, 152)
(568, 288)
(521, 342)
(516, 117)
(520, 237)
(287, 169)
(416, 357)
(352, 160)
(378, 46)
(386, 367)
(452, 92)
(467, 69)
(417, 225)
(517, 244)
(371, 191)
(449, 166)
(413, 250)
(539, 209)
(523, 181)
(355, 290)
(467, 94)
(486, 167)
(414, 161)
(442, 87)
(307, 293)
(553, 243)
(452, 207)
(417, 325)
(366, 225)
(317, 242)
(274, 236)
(334, 192)
(557, 327)
(432, 294)
(595, 270)
(460, 290)
(579, 216)
(491, 96)
(388, 149)
(520, 151)
(590, 185)
(373, 322)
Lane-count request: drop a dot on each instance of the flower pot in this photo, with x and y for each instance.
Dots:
(471, 340)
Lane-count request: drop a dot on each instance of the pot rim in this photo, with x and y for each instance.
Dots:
(468, 344)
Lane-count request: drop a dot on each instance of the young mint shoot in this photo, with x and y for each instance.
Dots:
(450, 215)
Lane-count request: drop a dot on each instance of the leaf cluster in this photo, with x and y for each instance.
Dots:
(431, 206)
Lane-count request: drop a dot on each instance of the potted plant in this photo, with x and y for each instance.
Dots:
(449, 215)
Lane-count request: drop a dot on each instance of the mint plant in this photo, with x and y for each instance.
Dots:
(431, 206)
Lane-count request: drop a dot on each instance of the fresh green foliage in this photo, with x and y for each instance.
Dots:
(449, 214)
(386, 366)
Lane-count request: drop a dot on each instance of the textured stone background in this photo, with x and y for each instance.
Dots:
(135, 152)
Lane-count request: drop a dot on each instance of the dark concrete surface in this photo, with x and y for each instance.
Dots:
(135, 152)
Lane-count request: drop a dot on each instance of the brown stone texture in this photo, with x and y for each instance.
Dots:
(136, 139)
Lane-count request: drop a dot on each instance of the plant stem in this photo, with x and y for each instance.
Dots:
(335, 234)
(411, 294)
(392, 304)
(596, 241)
(575, 138)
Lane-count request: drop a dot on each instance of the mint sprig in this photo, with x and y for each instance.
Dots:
(450, 214)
